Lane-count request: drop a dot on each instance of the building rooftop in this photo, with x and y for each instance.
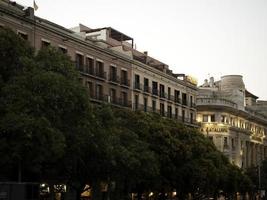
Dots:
(248, 94)
(115, 34)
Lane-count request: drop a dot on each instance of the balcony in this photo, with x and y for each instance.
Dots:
(177, 100)
(170, 98)
(79, 66)
(124, 103)
(114, 79)
(98, 97)
(89, 71)
(192, 105)
(184, 102)
(155, 92)
(137, 86)
(162, 95)
(121, 102)
(226, 148)
(125, 82)
(101, 75)
(147, 89)
(216, 102)
(141, 107)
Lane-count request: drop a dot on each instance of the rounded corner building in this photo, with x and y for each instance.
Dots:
(233, 119)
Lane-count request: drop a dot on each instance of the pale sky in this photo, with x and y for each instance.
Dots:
(201, 38)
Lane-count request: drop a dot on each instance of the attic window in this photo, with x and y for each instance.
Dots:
(23, 35)
(62, 49)
(45, 43)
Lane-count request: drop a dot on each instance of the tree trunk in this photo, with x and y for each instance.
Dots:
(19, 171)
(96, 191)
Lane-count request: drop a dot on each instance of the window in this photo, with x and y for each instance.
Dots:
(205, 118)
(233, 143)
(79, 62)
(124, 77)
(45, 43)
(124, 99)
(242, 124)
(112, 95)
(99, 92)
(23, 35)
(100, 69)
(223, 118)
(154, 88)
(146, 85)
(153, 105)
(145, 104)
(113, 73)
(91, 89)
(89, 68)
(226, 120)
(169, 111)
(177, 96)
(225, 141)
(210, 138)
(184, 99)
(137, 81)
(212, 118)
(63, 49)
(234, 122)
(161, 91)
(183, 115)
(191, 118)
(161, 107)
(136, 102)
(176, 113)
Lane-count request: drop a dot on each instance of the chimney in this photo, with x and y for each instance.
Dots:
(29, 12)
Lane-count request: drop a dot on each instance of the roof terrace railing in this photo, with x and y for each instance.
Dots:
(215, 101)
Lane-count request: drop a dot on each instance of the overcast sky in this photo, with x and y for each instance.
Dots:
(201, 38)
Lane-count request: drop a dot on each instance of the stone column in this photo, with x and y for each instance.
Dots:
(248, 154)
(252, 156)
(244, 155)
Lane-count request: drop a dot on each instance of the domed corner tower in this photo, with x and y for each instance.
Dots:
(233, 88)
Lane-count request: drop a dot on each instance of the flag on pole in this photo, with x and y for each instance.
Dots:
(35, 6)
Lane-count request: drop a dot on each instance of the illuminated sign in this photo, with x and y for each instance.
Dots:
(213, 128)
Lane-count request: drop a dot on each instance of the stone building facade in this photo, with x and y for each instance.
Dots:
(228, 116)
(112, 69)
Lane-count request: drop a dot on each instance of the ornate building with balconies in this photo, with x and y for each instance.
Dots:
(229, 117)
(111, 68)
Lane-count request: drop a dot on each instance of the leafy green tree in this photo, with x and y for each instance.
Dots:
(45, 112)
(13, 52)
